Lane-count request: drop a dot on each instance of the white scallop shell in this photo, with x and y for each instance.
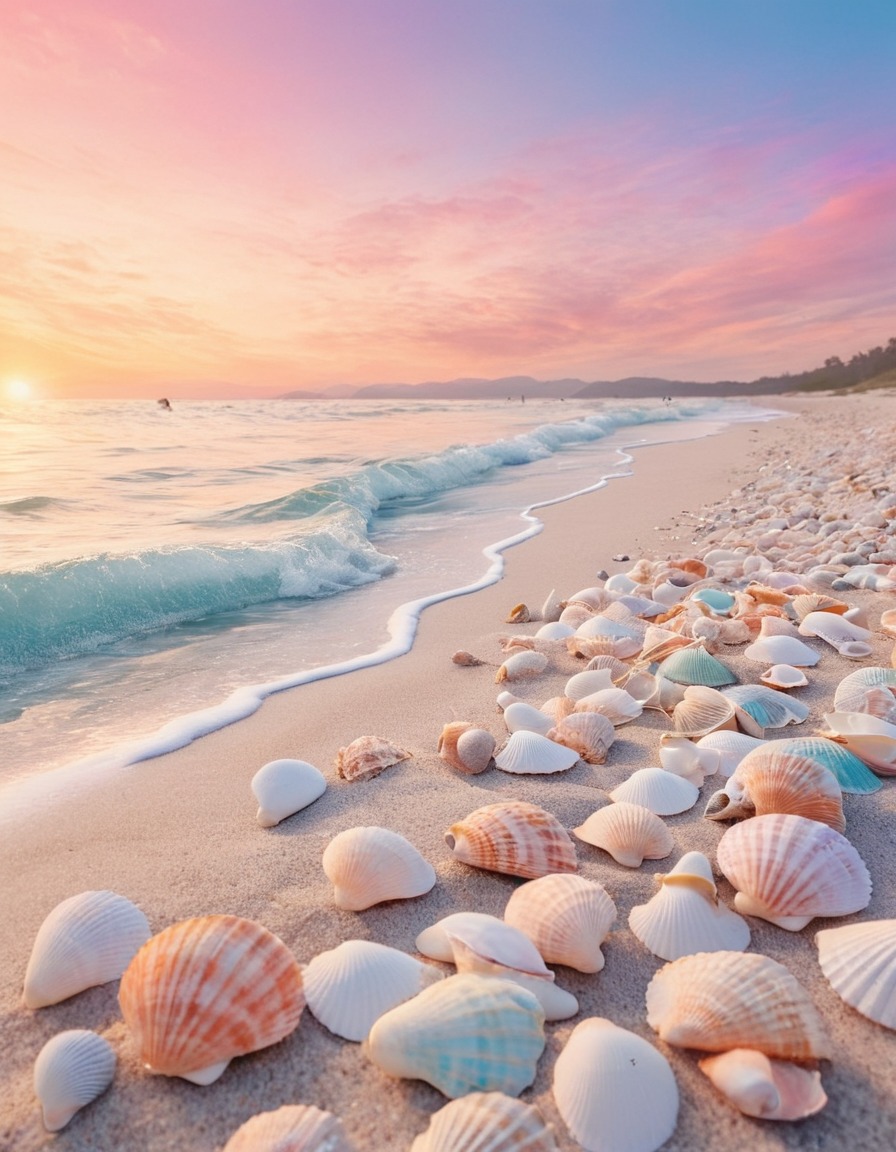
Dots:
(529, 753)
(721, 752)
(71, 1069)
(486, 1122)
(524, 717)
(86, 940)
(852, 688)
(661, 792)
(765, 1088)
(859, 961)
(782, 650)
(614, 703)
(283, 787)
(556, 1003)
(587, 682)
(520, 665)
(700, 711)
(630, 833)
(369, 865)
(488, 934)
(614, 1090)
(566, 917)
(292, 1128)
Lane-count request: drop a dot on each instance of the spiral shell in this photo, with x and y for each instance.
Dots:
(566, 917)
(630, 833)
(368, 865)
(292, 1128)
(515, 838)
(71, 1070)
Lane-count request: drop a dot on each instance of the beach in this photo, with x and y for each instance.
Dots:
(178, 836)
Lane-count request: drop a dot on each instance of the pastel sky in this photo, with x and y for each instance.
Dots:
(240, 197)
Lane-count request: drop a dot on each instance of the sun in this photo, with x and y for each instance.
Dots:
(18, 390)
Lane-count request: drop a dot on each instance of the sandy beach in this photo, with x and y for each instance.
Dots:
(178, 836)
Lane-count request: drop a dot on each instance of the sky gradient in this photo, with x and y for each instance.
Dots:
(215, 198)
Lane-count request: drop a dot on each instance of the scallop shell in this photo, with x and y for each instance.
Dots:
(721, 752)
(788, 869)
(514, 838)
(347, 988)
(851, 690)
(852, 775)
(618, 669)
(614, 703)
(716, 1001)
(284, 787)
(367, 756)
(521, 717)
(764, 1088)
(781, 650)
(859, 961)
(766, 707)
(206, 990)
(604, 625)
(86, 940)
(589, 734)
(587, 682)
(486, 1122)
(770, 779)
(292, 1128)
(369, 865)
(694, 665)
(702, 710)
(603, 1080)
(527, 753)
(660, 642)
(661, 792)
(808, 602)
(784, 677)
(566, 917)
(464, 1034)
(466, 748)
(588, 647)
(879, 702)
(470, 957)
(629, 832)
(558, 707)
(71, 1069)
(520, 665)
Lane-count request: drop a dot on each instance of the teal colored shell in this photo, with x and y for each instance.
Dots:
(852, 775)
(716, 599)
(696, 666)
(770, 709)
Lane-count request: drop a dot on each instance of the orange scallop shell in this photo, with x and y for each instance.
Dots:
(514, 838)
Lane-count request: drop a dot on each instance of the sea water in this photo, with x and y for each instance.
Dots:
(161, 571)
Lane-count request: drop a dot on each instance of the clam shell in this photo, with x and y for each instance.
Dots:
(654, 691)
(528, 753)
(466, 748)
(783, 677)
(782, 650)
(86, 940)
(859, 961)
(661, 792)
(716, 1001)
(589, 734)
(587, 682)
(771, 779)
(721, 752)
(764, 1088)
(486, 1122)
(71, 1069)
(435, 941)
(851, 690)
(283, 787)
(514, 838)
(630, 833)
(604, 1078)
(292, 1128)
(367, 756)
(350, 986)
(368, 865)
(566, 917)
(206, 990)
(852, 775)
(521, 665)
(702, 710)
(694, 665)
(524, 717)
(464, 1034)
(788, 869)
(556, 1003)
(833, 629)
(488, 936)
(614, 703)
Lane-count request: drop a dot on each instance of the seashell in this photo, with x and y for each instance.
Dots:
(519, 614)
(764, 1088)
(879, 702)
(367, 756)
(464, 1034)
(620, 582)
(520, 665)
(654, 691)
(602, 1080)
(640, 605)
(369, 865)
(716, 1001)
(716, 599)
(702, 710)
(834, 630)
(766, 707)
(505, 699)
(764, 594)
(284, 787)
(604, 625)
(859, 961)
(851, 690)
(86, 940)
(434, 942)
(694, 665)
(855, 649)
(517, 643)
(670, 592)
(660, 642)
(888, 622)
(552, 607)
(584, 683)
(587, 647)
(589, 734)
(681, 757)
(349, 987)
(72, 1068)
(772, 626)
(595, 598)
(788, 869)
(783, 677)
(721, 752)
(292, 1128)
(706, 629)
(466, 748)
(558, 707)
(514, 838)
(486, 1122)
(661, 792)
(630, 833)
(781, 650)
(554, 630)
(852, 775)
(527, 753)
(466, 659)
(771, 779)
(575, 614)
(556, 1003)
(807, 602)
(566, 917)
(618, 669)
(614, 703)
(872, 740)
(208, 989)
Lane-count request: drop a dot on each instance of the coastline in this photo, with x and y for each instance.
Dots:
(177, 835)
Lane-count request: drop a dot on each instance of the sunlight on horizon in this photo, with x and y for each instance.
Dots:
(19, 390)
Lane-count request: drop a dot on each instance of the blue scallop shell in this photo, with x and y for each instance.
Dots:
(770, 709)
(852, 775)
(696, 666)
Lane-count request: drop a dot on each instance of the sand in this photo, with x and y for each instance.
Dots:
(177, 835)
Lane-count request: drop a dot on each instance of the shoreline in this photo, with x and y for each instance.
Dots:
(177, 835)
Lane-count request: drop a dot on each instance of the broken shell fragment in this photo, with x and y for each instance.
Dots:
(370, 865)
(367, 756)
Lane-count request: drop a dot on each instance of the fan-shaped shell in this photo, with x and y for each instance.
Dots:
(71, 1069)
(566, 917)
(618, 669)
(788, 869)
(347, 988)
(851, 689)
(614, 703)
(587, 682)
(435, 941)
(464, 1034)
(589, 734)
(556, 1003)
(660, 642)
(603, 1080)
(284, 787)
(529, 753)
(852, 775)
(292, 1128)
(771, 779)
(520, 665)
(662, 792)
(781, 650)
(515, 838)
(767, 1089)
(768, 708)
(524, 717)
(86, 940)
(716, 1001)
(208, 989)
(466, 748)
(879, 702)
(486, 1122)
(694, 665)
(807, 602)
(370, 864)
(630, 833)
(367, 756)
(702, 710)
(859, 960)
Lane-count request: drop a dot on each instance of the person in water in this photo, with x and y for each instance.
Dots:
(164, 403)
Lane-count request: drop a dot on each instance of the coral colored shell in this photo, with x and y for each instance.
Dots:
(465, 659)
(514, 838)
(86, 940)
(859, 961)
(764, 1088)
(208, 989)
(614, 703)
(292, 1128)
(694, 665)
(486, 1122)
(520, 665)
(464, 1034)
(614, 1090)
(368, 865)
(879, 702)
(630, 833)
(466, 748)
(772, 779)
(716, 1001)
(71, 1069)
(558, 708)
(528, 753)
(702, 710)
(788, 869)
(662, 792)
(524, 717)
(852, 775)
(284, 787)
(589, 734)
(367, 756)
(566, 917)
(347, 988)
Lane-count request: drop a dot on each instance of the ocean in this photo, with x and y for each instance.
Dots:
(161, 572)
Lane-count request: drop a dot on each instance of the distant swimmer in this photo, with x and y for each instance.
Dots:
(164, 403)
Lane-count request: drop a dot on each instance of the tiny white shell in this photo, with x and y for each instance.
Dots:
(71, 1069)
(283, 787)
(372, 864)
